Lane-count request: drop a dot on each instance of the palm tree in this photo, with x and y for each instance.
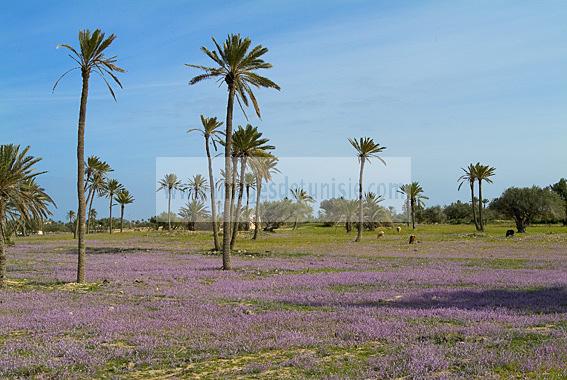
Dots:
(414, 192)
(21, 198)
(237, 67)
(169, 182)
(197, 187)
(92, 215)
(365, 148)
(483, 173)
(263, 168)
(469, 177)
(96, 172)
(90, 59)
(193, 212)
(303, 201)
(211, 132)
(247, 142)
(123, 198)
(112, 188)
(96, 187)
(71, 217)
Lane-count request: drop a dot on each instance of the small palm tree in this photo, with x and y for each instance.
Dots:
(414, 192)
(90, 58)
(236, 65)
(21, 198)
(92, 215)
(303, 202)
(71, 217)
(365, 148)
(247, 142)
(469, 177)
(193, 212)
(263, 168)
(123, 198)
(483, 173)
(169, 183)
(211, 133)
(96, 173)
(111, 188)
(197, 187)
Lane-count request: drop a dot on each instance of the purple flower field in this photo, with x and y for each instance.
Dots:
(451, 309)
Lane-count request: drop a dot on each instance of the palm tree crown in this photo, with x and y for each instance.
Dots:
(366, 148)
(236, 66)
(91, 58)
(197, 187)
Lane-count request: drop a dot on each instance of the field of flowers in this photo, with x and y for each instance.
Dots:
(300, 304)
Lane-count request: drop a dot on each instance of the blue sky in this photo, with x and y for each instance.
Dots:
(444, 82)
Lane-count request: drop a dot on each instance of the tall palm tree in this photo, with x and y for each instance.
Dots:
(263, 168)
(247, 142)
(193, 212)
(197, 187)
(469, 177)
(112, 188)
(95, 172)
(123, 198)
(414, 193)
(483, 173)
(303, 201)
(90, 58)
(236, 65)
(169, 183)
(71, 216)
(211, 133)
(21, 198)
(365, 148)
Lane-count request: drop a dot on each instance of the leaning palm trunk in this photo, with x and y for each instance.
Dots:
(239, 203)
(233, 198)
(257, 213)
(474, 207)
(212, 188)
(360, 203)
(91, 195)
(2, 248)
(480, 221)
(226, 237)
(81, 217)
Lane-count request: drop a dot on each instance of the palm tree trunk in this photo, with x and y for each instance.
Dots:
(239, 203)
(226, 262)
(257, 206)
(82, 249)
(169, 209)
(480, 221)
(110, 212)
(412, 210)
(121, 217)
(295, 224)
(473, 207)
(91, 196)
(247, 209)
(360, 207)
(2, 248)
(213, 208)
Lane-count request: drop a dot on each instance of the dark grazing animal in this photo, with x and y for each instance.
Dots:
(509, 233)
(412, 239)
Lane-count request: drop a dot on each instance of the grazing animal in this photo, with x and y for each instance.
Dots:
(509, 233)
(380, 234)
(412, 239)
(399, 229)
